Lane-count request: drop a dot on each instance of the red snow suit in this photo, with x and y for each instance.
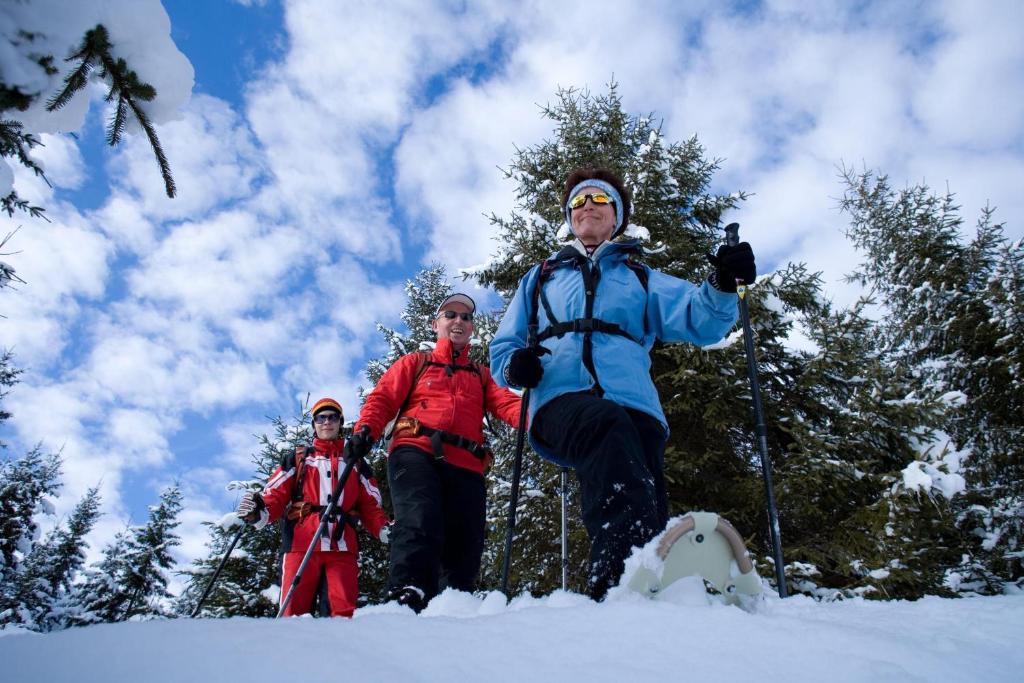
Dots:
(337, 550)
(452, 401)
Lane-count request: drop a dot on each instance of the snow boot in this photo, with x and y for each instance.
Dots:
(696, 544)
(410, 596)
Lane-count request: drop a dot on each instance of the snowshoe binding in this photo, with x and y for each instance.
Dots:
(695, 544)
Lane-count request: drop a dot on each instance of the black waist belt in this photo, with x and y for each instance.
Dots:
(583, 325)
(411, 426)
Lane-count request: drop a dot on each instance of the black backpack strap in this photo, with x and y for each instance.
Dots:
(588, 324)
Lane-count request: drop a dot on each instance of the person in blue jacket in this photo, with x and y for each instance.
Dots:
(578, 333)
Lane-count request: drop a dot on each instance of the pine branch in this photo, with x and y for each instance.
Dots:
(12, 202)
(125, 88)
(15, 143)
(158, 151)
(95, 43)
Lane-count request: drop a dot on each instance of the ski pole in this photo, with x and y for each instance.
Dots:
(213, 579)
(517, 471)
(565, 531)
(324, 519)
(732, 238)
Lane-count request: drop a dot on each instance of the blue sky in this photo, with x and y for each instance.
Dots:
(330, 149)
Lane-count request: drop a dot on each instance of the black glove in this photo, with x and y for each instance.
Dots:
(359, 444)
(249, 507)
(524, 368)
(731, 264)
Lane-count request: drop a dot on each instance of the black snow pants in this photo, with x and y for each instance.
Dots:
(618, 454)
(438, 536)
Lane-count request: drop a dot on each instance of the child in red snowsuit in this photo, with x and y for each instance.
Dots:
(298, 493)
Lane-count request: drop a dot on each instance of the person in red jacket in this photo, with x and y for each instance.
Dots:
(437, 457)
(298, 492)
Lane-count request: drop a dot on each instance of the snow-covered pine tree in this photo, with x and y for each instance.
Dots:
(954, 318)
(130, 581)
(43, 588)
(8, 378)
(25, 487)
(249, 584)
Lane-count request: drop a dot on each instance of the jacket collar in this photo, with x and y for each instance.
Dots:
(577, 248)
(331, 447)
(443, 353)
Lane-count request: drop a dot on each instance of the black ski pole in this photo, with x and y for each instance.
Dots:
(213, 579)
(565, 530)
(324, 519)
(732, 238)
(517, 471)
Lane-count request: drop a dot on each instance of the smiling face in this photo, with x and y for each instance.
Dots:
(327, 424)
(455, 328)
(593, 223)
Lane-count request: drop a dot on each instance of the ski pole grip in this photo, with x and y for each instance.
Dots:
(732, 234)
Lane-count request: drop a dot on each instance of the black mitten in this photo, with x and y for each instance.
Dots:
(732, 263)
(524, 368)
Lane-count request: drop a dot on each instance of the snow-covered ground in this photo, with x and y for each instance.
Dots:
(563, 637)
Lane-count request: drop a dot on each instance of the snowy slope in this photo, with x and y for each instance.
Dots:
(563, 637)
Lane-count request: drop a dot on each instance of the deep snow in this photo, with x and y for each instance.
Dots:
(563, 637)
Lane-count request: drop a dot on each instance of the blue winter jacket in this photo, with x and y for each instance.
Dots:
(670, 309)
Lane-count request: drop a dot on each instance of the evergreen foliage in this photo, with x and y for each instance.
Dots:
(93, 55)
(25, 485)
(130, 582)
(126, 90)
(8, 378)
(43, 589)
(953, 318)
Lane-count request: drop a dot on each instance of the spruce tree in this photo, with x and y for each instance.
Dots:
(953, 318)
(43, 588)
(130, 581)
(8, 378)
(25, 487)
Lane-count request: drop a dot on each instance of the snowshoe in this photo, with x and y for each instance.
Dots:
(695, 544)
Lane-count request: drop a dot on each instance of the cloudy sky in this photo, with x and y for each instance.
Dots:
(329, 149)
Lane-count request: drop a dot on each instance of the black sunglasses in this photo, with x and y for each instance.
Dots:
(451, 315)
(326, 417)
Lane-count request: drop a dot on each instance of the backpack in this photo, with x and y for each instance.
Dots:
(423, 361)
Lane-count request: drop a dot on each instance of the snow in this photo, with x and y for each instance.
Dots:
(562, 637)
(140, 32)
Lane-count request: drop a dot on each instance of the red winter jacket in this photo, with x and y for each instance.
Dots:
(322, 466)
(452, 403)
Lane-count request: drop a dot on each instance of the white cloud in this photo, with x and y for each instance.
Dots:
(213, 158)
(61, 161)
(219, 267)
(970, 93)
